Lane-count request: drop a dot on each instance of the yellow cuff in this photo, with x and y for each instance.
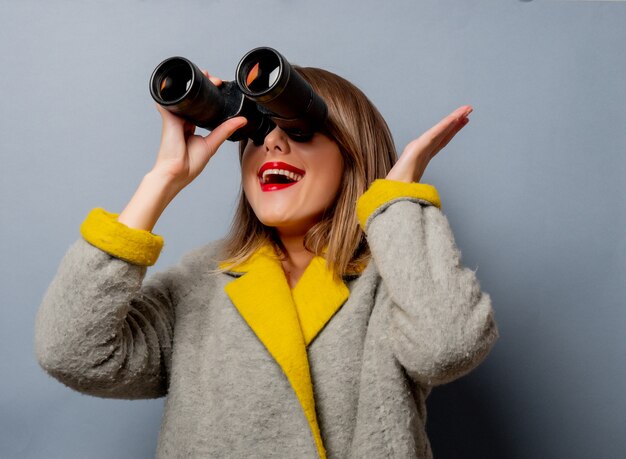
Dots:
(136, 246)
(384, 191)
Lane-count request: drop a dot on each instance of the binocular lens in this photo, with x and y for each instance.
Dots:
(175, 82)
(268, 92)
(280, 92)
(263, 74)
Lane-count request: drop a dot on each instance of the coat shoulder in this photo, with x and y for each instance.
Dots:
(205, 255)
(194, 267)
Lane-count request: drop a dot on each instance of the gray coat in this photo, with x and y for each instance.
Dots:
(414, 318)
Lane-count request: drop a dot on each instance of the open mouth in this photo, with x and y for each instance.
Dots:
(276, 175)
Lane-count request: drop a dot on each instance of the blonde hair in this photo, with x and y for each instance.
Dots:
(368, 153)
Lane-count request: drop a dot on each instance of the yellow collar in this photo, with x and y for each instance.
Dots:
(286, 321)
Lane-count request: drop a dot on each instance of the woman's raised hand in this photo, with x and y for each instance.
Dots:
(183, 155)
(412, 163)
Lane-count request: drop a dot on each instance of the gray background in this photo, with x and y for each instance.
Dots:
(533, 187)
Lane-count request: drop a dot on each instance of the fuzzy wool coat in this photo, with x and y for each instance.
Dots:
(250, 368)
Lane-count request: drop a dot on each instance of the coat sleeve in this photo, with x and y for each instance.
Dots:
(441, 324)
(100, 328)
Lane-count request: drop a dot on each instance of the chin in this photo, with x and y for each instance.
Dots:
(287, 225)
(275, 222)
(271, 218)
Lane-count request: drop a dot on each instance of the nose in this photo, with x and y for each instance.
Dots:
(276, 141)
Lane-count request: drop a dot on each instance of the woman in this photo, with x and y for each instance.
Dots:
(317, 328)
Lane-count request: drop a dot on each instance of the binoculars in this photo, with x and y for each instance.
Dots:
(267, 91)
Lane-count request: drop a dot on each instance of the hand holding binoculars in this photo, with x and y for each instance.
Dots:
(267, 91)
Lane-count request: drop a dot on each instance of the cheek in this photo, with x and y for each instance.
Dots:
(251, 192)
(329, 184)
(335, 172)
(248, 173)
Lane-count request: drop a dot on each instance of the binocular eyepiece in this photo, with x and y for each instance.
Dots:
(267, 91)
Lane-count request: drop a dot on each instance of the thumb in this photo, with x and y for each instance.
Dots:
(219, 135)
(168, 118)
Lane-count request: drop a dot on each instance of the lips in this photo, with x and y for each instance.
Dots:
(287, 171)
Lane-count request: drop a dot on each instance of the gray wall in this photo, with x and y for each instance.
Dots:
(533, 187)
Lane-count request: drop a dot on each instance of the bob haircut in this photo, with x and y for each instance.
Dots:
(368, 152)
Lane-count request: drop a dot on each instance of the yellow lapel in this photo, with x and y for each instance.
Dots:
(263, 298)
(318, 296)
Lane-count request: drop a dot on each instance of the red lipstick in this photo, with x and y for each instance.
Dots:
(293, 173)
(279, 165)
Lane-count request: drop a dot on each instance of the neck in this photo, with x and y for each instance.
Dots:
(297, 258)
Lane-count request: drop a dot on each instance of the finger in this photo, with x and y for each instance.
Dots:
(428, 143)
(215, 80)
(443, 128)
(159, 108)
(429, 140)
(463, 111)
(460, 124)
(455, 116)
(188, 129)
(433, 140)
(219, 135)
(167, 117)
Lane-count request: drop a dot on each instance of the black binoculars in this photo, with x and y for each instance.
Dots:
(267, 91)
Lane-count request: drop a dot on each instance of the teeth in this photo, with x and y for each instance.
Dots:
(291, 175)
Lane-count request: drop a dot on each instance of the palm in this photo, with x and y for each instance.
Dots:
(412, 163)
(184, 155)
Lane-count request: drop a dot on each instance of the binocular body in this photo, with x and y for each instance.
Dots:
(267, 90)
